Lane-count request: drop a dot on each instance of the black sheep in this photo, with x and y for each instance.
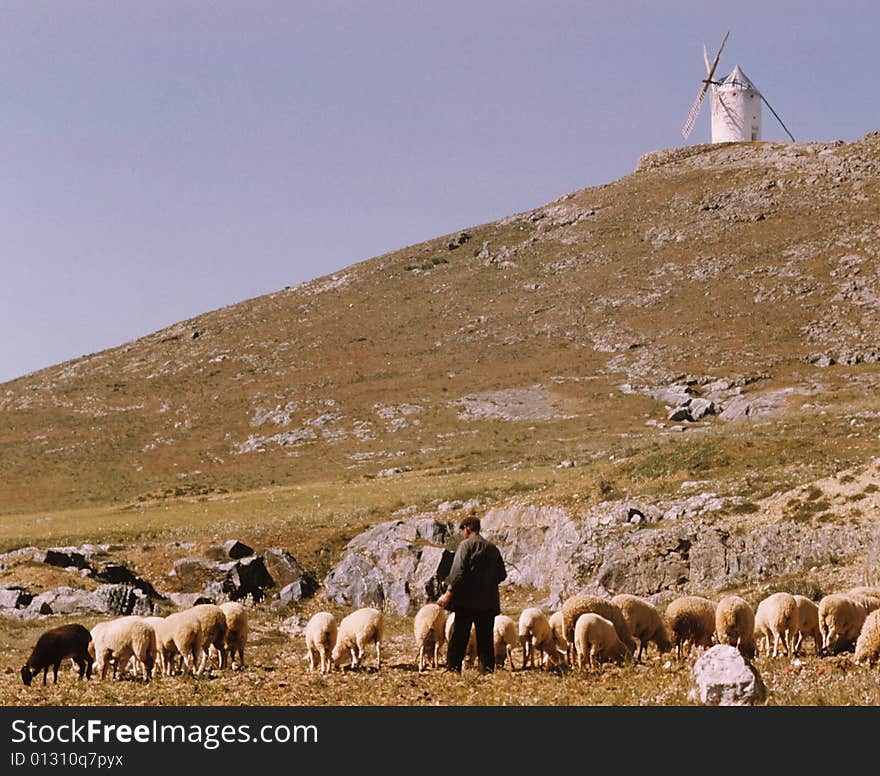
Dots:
(54, 646)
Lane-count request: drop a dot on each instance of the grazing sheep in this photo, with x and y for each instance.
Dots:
(181, 634)
(735, 625)
(777, 618)
(505, 637)
(808, 623)
(869, 597)
(470, 653)
(320, 634)
(868, 642)
(840, 621)
(574, 607)
(236, 632)
(562, 645)
(164, 665)
(213, 624)
(644, 622)
(691, 622)
(535, 633)
(55, 645)
(117, 641)
(357, 630)
(429, 631)
(596, 640)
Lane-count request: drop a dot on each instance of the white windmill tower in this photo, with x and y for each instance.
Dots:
(736, 105)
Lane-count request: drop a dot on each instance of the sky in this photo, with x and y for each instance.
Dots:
(161, 160)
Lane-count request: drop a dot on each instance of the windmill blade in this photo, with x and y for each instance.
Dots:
(706, 60)
(778, 119)
(694, 112)
(717, 56)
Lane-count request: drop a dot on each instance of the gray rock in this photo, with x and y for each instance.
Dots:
(195, 572)
(285, 570)
(722, 677)
(248, 577)
(681, 412)
(188, 600)
(293, 592)
(62, 558)
(391, 567)
(105, 600)
(699, 408)
(116, 573)
(14, 597)
(236, 550)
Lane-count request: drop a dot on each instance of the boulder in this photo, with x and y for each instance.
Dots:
(236, 550)
(392, 566)
(116, 573)
(722, 677)
(285, 570)
(115, 600)
(14, 597)
(62, 557)
(188, 600)
(196, 572)
(247, 577)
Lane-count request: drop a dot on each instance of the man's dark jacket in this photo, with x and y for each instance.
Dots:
(477, 569)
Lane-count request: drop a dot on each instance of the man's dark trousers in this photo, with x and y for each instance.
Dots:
(483, 622)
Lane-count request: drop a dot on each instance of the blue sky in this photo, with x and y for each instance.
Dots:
(159, 160)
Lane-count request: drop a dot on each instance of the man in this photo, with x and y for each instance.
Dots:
(472, 593)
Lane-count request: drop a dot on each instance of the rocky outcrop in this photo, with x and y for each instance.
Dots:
(114, 600)
(395, 565)
(721, 677)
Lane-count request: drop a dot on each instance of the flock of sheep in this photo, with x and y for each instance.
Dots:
(586, 631)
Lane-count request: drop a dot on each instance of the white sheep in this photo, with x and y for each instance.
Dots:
(429, 631)
(505, 637)
(644, 621)
(808, 623)
(557, 625)
(596, 640)
(114, 642)
(213, 624)
(691, 622)
(181, 634)
(320, 635)
(735, 624)
(840, 621)
(163, 665)
(470, 653)
(868, 642)
(579, 604)
(356, 631)
(535, 634)
(776, 618)
(236, 632)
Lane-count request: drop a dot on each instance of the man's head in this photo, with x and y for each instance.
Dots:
(470, 525)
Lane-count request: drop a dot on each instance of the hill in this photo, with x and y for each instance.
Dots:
(739, 279)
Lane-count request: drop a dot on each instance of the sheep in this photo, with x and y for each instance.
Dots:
(236, 632)
(735, 625)
(868, 642)
(576, 605)
(644, 622)
(596, 639)
(429, 631)
(808, 623)
(867, 596)
(53, 646)
(164, 658)
(535, 633)
(320, 635)
(562, 645)
(691, 621)
(181, 633)
(777, 617)
(117, 641)
(840, 621)
(212, 621)
(505, 636)
(357, 630)
(470, 653)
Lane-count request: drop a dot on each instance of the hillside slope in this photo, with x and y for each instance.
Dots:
(746, 274)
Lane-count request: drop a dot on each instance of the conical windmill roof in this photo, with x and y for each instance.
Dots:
(739, 80)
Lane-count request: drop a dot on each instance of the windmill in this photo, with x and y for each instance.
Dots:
(736, 105)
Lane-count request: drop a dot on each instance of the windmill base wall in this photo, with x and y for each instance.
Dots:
(737, 118)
